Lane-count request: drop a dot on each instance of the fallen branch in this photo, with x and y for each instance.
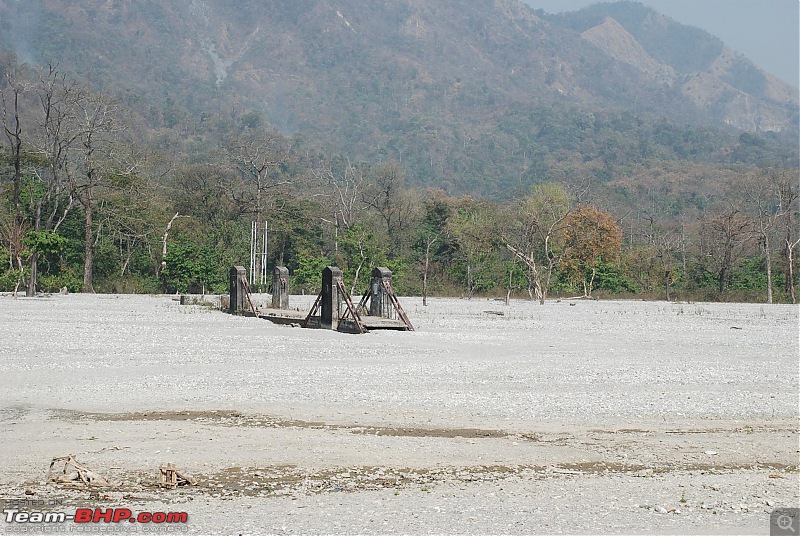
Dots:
(75, 472)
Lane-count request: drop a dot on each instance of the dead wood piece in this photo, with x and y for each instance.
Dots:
(170, 477)
(75, 472)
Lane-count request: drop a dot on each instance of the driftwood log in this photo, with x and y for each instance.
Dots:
(74, 472)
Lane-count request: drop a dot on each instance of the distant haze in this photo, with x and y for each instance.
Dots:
(765, 31)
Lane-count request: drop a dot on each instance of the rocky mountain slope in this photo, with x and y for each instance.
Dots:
(726, 85)
(469, 95)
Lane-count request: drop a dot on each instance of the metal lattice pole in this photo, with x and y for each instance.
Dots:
(264, 257)
(252, 249)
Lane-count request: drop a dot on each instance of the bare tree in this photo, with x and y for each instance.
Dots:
(394, 205)
(661, 245)
(96, 118)
(342, 188)
(13, 230)
(360, 242)
(13, 131)
(11, 234)
(726, 234)
(539, 220)
(667, 244)
(164, 238)
(765, 203)
(429, 240)
(785, 185)
(57, 135)
(259, 157)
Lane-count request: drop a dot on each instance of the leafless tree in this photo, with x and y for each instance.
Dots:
(164, 239)
(539, 219)
(13, 230)
(764, 199)
(57, 134)
(726, 233)
(259, 157)
(662, 242)
(341, 188)
(13, 131)
(429, 240)
(97, 123)
(785, 186)
(387, 197)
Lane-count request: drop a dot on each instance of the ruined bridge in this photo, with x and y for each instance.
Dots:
(333, 308)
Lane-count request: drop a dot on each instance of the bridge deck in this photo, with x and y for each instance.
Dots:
(288, 316)
(282, 316)
(377, 322)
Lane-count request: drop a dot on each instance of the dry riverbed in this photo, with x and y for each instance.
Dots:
(573, 417)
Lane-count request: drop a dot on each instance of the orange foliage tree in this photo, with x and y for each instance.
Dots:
(591, 236)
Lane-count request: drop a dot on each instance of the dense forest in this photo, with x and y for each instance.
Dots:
(94, 200)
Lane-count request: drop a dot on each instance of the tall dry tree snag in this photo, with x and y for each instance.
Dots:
(58, 131)
(386, 196)
(259, 158)
(785, 185)
(429, 239)
(768, 195)
(666, 246)
(12, 127)
(341, 190)
(790, 270)
(96, 120)
(725, 235)
(12, 230)
(164, 239)
(12, 233)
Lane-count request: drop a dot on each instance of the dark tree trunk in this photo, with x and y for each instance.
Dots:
(88, 249)
(30, 290)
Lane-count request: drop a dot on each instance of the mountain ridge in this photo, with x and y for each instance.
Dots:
(703, 88)
(425, 83)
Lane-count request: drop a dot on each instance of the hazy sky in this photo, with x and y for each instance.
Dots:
(766, 31)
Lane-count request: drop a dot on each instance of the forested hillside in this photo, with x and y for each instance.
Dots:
(470, 146)
(432, 85)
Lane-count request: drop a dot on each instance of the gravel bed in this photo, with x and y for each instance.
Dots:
(577, 416)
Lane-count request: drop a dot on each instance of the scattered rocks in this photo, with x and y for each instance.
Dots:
(585, 380)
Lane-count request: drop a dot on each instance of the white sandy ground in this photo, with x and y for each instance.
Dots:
(573, 417)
